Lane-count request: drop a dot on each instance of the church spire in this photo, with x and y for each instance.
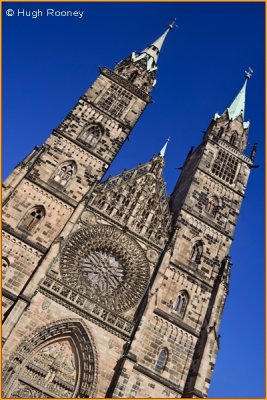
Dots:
(151, 52)
(163, 150)
(139, 69)
(238, 105)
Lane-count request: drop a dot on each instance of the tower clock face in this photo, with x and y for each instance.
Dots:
(106, 265)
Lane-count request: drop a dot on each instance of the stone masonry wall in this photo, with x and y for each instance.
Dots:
(61, 150)
(22, 260)
(28, 195)
(43, 311)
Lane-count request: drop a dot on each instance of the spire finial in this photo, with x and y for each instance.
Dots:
(248, 73)
(238, 105)
(173, 24)
(151, 53)
(163, 150)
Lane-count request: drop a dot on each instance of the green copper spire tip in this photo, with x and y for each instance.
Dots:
(238, 105)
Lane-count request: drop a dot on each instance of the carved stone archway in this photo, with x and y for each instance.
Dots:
(57, 361)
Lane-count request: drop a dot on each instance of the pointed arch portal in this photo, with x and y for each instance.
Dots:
(58, 361)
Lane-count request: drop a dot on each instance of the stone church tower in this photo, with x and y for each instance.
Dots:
(110, 289)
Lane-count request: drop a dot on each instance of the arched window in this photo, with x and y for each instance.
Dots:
(220, 133)
(65, 173)
(213, 206)
(32, 218)
(145, 86)
(180, 304)
(91, 134)
(225, 166)
(133, 76)
(161, 360)
(233, 138)
(197, 252)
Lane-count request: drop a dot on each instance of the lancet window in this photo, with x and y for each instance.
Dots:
(233, 138)
(213, 206)
(161, 360)
(220, 133)
(133, 76)
(197, 252)
(32, 218)
(65, 173)
(91, 134)
(181, 302)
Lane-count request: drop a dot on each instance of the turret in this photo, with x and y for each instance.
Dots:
(231, 126)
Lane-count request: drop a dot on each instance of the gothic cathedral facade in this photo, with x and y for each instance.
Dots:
(110, 288)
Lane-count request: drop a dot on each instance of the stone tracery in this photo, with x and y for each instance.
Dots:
(102, 271)
(105, 265)
(137, 199)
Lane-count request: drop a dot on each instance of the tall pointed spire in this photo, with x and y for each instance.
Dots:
(163, 150)
(238, 105)
(151, 52)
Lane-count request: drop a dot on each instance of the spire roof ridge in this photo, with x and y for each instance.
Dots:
(237, 107)
(163, 150)
(152, 51)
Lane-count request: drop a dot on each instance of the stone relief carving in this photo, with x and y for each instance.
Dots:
(106, 265)
(53, 368)
(152, 255)
(25, 391)
(45, 306)
(88, 218)
(52, 363)
(87, 308)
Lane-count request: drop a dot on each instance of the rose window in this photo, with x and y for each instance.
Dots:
(102, 271)
(106, 265)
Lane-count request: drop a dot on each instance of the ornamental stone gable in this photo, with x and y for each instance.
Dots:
(137, 200)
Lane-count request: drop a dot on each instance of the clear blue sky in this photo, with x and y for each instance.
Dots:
(49, 62)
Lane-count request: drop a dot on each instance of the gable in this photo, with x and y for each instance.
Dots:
(137, 199)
